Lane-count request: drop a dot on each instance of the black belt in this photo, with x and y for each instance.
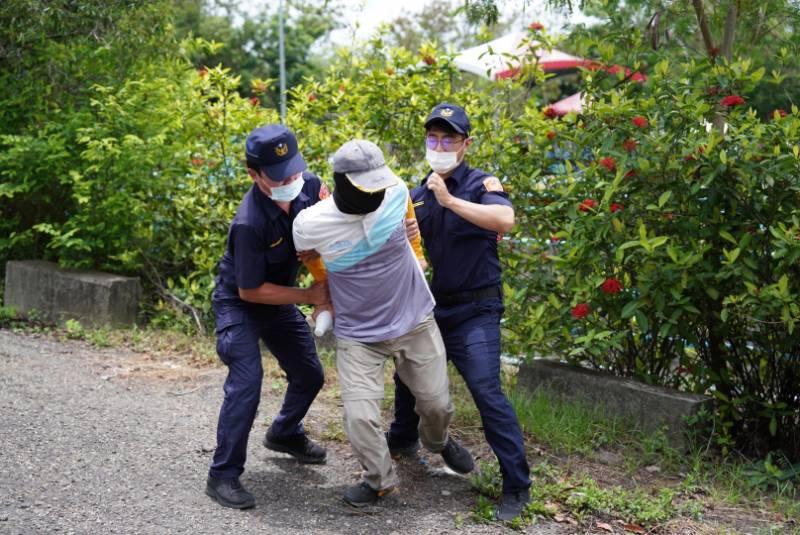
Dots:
(458, 298)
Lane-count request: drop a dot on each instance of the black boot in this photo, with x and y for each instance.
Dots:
(362, 494)
(457, 458)
(229, 493)
(399, 448)
(299, 447)
(512, 504)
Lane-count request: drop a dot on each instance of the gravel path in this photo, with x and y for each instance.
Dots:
(90, 446)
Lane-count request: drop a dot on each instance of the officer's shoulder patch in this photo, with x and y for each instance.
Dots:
(492, 183)
(324, 192)
(277, 243)
(418, 204)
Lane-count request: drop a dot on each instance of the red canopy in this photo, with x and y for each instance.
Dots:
(500, 58)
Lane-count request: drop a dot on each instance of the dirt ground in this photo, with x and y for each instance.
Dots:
(118, 441)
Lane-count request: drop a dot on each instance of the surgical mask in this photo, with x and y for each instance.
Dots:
(288, 192)
(442, 162)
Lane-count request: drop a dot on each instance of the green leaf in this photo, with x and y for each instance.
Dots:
(662, 200)
(728, 236)
(629, 309)
(773, 426)
(641, 321)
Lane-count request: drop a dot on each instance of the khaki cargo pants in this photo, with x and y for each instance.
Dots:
(420, 361)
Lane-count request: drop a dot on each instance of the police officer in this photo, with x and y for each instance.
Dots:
(461, 211)
(254, 299)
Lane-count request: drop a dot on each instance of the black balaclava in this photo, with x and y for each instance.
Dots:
(351, 200)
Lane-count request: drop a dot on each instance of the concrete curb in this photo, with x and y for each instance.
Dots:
(649, 408)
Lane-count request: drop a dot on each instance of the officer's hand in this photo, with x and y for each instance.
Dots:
(317, 294)
(307, 256)
(439, 188)
(412, 229)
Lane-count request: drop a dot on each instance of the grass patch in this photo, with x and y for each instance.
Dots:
(556, 492)
(566, 427)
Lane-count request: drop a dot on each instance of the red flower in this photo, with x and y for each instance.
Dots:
(629, 145)
(714, 51)
(631, 173)
(615, 207)
(202, 72)
(536, 26)
(197, 162)
(609, 163)
(581, 310)
(551, 135)
(732, 100)
(550, 113)
(254, 101)
(554, 239)
(781, 112)
(312, 97)
(640, 121)
(587, 205)
(611, 286)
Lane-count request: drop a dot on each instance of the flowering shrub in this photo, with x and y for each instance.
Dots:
(695, 283)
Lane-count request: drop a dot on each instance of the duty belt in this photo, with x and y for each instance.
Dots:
(458, 298)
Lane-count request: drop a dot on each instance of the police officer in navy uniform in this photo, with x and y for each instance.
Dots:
(461, 211)
(254, 299)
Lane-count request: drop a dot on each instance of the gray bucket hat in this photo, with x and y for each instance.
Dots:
(363, 163)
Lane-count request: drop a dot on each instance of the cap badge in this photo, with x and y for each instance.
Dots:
(281, 149)
(446, 112)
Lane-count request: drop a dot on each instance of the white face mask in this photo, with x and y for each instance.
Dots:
(288, 192)
(442, 162)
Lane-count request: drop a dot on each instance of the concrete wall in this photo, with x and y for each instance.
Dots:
(93, 298)
(648, 407)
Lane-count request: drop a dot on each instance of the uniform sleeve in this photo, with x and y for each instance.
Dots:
(492, 192)
(249, 260)
(416, 243)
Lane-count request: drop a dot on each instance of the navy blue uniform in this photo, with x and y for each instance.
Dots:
(467, 287)
(260, 249)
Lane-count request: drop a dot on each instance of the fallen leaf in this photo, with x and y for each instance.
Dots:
(633, 528)
(607, 527)
(653, 469)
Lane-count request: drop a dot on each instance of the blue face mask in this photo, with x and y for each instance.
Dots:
(288, 192)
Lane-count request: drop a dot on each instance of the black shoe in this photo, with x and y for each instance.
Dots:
(512, 504)
(229, 493)
(301, 448)
(362, 494)
(457, 458)
(398, 448)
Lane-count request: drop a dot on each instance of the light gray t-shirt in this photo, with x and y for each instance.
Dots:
(377, 287)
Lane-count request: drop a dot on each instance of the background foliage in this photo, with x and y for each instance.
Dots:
(649, 243)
